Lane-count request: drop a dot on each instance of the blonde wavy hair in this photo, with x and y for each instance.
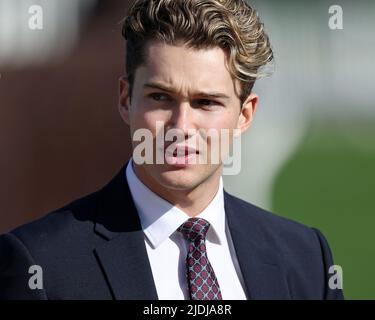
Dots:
(232, 25)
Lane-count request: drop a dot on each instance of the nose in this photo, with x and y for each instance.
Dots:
(182, 118)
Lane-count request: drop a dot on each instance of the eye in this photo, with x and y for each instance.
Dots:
(207, 103)
(159, 96)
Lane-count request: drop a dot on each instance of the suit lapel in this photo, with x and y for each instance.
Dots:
(260, 264)
(127, 269)
(123, 256)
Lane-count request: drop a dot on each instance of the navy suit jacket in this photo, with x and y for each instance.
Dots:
(93, 248)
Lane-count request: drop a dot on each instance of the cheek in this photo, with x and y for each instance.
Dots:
(224, 126)
(225, 120)
(152, 122)
(141, 117)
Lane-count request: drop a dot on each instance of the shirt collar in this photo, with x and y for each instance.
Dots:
(160, 219)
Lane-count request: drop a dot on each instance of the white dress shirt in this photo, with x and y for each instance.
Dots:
(167, 248)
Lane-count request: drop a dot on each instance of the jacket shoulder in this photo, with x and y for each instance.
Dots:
(60, 226)
(286, 234)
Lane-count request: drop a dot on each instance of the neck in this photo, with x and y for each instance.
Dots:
(192, 201)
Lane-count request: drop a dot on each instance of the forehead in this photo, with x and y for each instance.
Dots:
(180, 66)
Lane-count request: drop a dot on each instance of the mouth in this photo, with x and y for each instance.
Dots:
(181, 155)
(183, 152)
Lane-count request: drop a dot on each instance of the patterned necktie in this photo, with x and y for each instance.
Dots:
(201, 278)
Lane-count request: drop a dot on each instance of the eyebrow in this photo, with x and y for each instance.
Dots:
(162, 87)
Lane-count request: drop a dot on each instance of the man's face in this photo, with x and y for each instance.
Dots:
(170, 88)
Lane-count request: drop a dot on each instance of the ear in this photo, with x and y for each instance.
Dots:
(247, 112)
(124, 99)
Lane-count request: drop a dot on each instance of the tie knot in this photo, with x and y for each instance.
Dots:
(194, 228)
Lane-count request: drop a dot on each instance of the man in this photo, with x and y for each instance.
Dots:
(167, 229)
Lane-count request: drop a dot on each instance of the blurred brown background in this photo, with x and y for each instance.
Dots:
(61, 136)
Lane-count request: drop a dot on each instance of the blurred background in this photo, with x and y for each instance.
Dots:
(309, 156)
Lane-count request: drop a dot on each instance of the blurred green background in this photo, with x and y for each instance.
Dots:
(329, 183)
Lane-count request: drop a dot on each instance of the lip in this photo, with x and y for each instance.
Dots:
(182, 156)
(182, 149)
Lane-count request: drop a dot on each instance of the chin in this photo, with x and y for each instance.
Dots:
(179, 180)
